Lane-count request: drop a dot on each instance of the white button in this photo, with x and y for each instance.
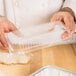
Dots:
(44, 5)
(17, 3)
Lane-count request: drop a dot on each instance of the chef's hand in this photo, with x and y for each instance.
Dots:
(5, 27)
(68, 21)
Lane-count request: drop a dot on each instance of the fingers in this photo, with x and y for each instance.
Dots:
(69, 23)
(12, 28)
(18, 33)
(5, 26)
(3, 41)
(2, 47)
(66, 36)
(56, 17)
(70, 28)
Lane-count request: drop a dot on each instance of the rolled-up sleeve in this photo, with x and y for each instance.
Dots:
(71, 4)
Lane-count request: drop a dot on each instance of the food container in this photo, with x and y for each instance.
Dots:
(14, 63)
(52, 71)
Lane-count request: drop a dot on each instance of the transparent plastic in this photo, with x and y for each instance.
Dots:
(21, 47)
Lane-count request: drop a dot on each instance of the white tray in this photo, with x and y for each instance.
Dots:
(53, 71)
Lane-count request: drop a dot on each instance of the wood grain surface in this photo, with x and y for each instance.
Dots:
(63, 56)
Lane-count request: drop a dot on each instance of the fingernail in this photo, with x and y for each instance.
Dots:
(63, 37)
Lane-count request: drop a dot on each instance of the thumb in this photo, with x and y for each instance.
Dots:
(51, 28)
(18, 33)
(52, 25)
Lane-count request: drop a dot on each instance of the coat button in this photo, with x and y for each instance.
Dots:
(17, 3)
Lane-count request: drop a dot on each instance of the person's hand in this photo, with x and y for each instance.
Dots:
(68, 21)
(5, 26)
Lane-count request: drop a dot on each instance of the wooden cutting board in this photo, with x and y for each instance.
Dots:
(63, 56)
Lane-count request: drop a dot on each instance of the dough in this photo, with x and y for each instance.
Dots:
(14, 57)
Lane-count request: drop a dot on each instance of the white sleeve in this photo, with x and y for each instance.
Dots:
(2, 7)
(71, 4)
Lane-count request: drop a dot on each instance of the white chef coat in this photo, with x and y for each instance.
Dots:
(32, 12)
(27, 14)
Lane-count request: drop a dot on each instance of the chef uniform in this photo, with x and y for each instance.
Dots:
(31, 15)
